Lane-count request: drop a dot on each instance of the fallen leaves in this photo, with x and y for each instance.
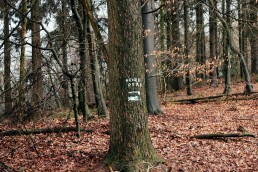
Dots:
(170, 133)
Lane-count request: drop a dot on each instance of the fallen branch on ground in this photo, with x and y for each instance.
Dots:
(41, 131)
(209, 98)
(216, 136)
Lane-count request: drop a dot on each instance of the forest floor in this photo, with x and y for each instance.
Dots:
(170, 133)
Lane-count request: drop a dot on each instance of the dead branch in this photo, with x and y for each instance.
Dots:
(217, 136)
(41, 131)
(212, 98)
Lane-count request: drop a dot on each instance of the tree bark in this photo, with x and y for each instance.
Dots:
(152, 99)
(130, 144)
(7, 63)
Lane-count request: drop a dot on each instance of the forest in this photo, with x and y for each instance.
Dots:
(128, 85)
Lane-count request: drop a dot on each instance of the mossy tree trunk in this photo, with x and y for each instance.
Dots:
(130, 145)
(153, 106)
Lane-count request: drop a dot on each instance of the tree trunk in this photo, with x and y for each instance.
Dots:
(96, 29)
(226, 55)
(213, 45)
(7, 63)
(162, 27)
(174, 79)
(245, 33)
(242, 18)
(200, 39)
(187, 48)
(65, 81)
(95, 74)
(248, 87)
(130, 144)
(75, 105)
(36, 55)
(82, 51)
(52, 84)
(152, 99)
(22, 60)
(253, 37)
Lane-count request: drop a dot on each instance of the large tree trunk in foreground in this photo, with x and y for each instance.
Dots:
(130, 144)
(153, 106)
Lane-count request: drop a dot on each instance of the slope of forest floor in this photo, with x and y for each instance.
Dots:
(170, 132)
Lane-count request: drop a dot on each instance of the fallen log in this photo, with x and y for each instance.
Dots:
(217, 136)
(209, 98)
(41, 131)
